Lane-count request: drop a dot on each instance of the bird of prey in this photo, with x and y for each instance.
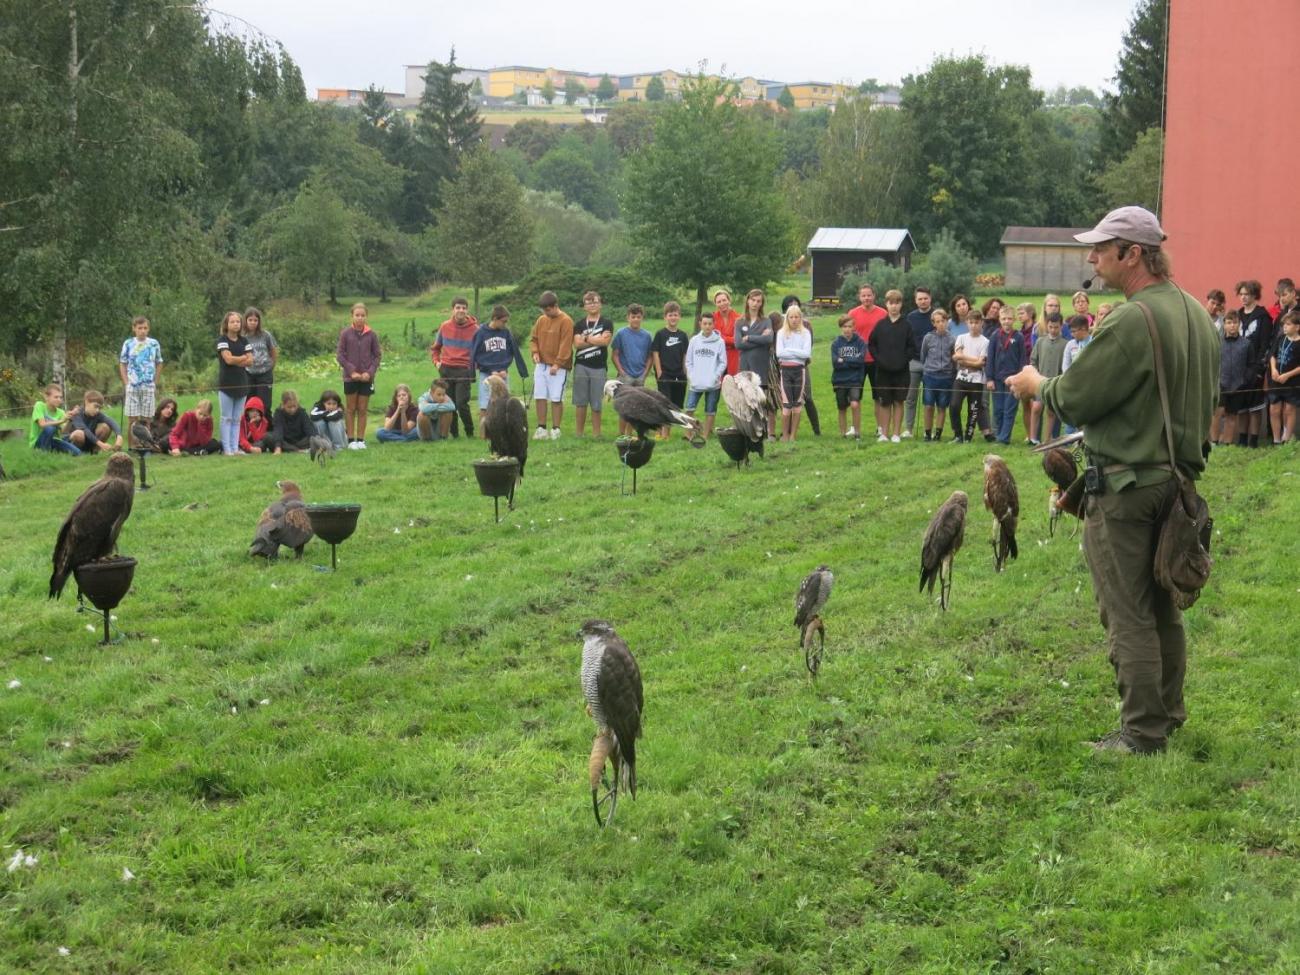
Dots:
(1060, 466)
(942, 541)
(747, 404)
(321, 449)
(90, 531)
(611, 684)
(808, 602)
(283, 523)
(1003, 500)
(648, 409)
(506, 423)
(142, 438)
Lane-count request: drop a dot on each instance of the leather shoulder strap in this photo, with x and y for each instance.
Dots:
(1160, 383)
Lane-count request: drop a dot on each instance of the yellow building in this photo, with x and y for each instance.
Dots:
(631, 87)
(816, 94)
(504, 82)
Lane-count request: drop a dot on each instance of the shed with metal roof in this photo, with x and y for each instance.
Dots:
(1045, 258)
(838, 251)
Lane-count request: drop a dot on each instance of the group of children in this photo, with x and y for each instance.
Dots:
(942, 357)
(1259, 378)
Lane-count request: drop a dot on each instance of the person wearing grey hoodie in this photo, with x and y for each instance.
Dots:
(706, 364)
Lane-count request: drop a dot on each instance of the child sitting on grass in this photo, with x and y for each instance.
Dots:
(90, 428)
(327, 418)
(47, 420)
(253, 427)
(193, 432)
(436, 409)
(400, 418)
(291, 428)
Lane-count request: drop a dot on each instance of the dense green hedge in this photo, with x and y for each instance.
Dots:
(618, 287)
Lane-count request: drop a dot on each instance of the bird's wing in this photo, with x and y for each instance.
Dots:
(293, 528)
(618, 688)
(91, 528)
(751, 387)
(805, 599)
(1059, 465)
(943, 537)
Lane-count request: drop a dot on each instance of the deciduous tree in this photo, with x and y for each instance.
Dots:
(701, 217)
(1135, 178)
(654, 90)
(485, 232)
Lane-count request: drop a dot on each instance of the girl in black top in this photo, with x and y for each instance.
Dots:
(233, 359)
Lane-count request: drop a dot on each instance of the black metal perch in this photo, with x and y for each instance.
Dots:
(104, 583)
(143, 455)
(735, 444)
(333, 523)
(496, 480)
(634, 453)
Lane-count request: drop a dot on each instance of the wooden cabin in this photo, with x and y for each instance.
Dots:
(839, 251)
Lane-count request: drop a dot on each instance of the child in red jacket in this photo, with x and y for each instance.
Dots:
(253, 426)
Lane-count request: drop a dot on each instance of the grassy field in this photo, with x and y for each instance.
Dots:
(383, 768)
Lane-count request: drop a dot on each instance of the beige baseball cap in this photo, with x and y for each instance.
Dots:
(1137, 224)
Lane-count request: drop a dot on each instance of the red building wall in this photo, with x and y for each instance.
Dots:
(1231, 192)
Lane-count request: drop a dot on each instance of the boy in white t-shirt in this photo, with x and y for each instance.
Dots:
(970, 353)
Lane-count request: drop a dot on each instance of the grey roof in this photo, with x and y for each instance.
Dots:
(1055, 236)
(859, 239)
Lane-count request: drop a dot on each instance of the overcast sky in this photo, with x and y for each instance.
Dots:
(346, 44)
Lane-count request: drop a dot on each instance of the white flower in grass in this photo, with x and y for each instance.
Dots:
(14, 684)
(127, 875)
(63, 951)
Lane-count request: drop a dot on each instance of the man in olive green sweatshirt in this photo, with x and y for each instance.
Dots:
(1111, 393)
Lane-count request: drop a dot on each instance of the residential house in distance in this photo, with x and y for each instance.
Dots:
(809, 94)
(1045, 258)
(352, 97)
(632, 87)
(466, 76)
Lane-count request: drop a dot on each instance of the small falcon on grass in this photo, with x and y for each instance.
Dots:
(611, 685)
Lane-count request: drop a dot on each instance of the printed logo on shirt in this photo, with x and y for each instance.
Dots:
(495, 344)
(672, 341)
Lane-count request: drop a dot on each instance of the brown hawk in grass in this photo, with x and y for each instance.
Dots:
(284, 523)
(90, 531)
(1003, 500)
(611, 685)
(942, 541)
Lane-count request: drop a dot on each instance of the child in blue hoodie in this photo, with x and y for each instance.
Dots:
(848, 375)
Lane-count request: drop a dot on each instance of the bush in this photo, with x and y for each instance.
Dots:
(618, 287)
(946, 270)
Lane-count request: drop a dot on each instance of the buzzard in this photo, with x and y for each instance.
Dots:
(506, 423)
(283, 523)
(648, 409)
(142, 438)
(90, 531)
(1060, 466)
(942, 542)
(747, 404)
(611, 684)
(1003, 500)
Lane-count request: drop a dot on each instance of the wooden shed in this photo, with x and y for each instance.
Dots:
(1045, 259)
(838, 251)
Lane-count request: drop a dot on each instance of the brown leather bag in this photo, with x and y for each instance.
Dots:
(1182, 561)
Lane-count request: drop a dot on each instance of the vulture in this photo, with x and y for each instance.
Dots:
(1003, 500)
(90, 531)
(747, 404)
(942, 541)
(142, 438)
(283, 523)
(506, 423)
(648, 409)
(611, 684)
(321, 449)
(808, 602)
(1059, 465)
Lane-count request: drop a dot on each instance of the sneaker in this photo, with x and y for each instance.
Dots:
(907, 434)
(879, 431)
(1033, 442)
(958, 439)
(928, 436)
(852, 432)
(361, 445)
(555, 433)
(881, 438)
(352, 445)
(541, 434)
(1117, 741)
(895, 439)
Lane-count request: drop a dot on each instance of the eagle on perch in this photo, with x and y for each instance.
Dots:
(283, 523)
(648, 409)
(506, 423)
(90, 531)
(611, 685)
(1003, 500)
(942, 542)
